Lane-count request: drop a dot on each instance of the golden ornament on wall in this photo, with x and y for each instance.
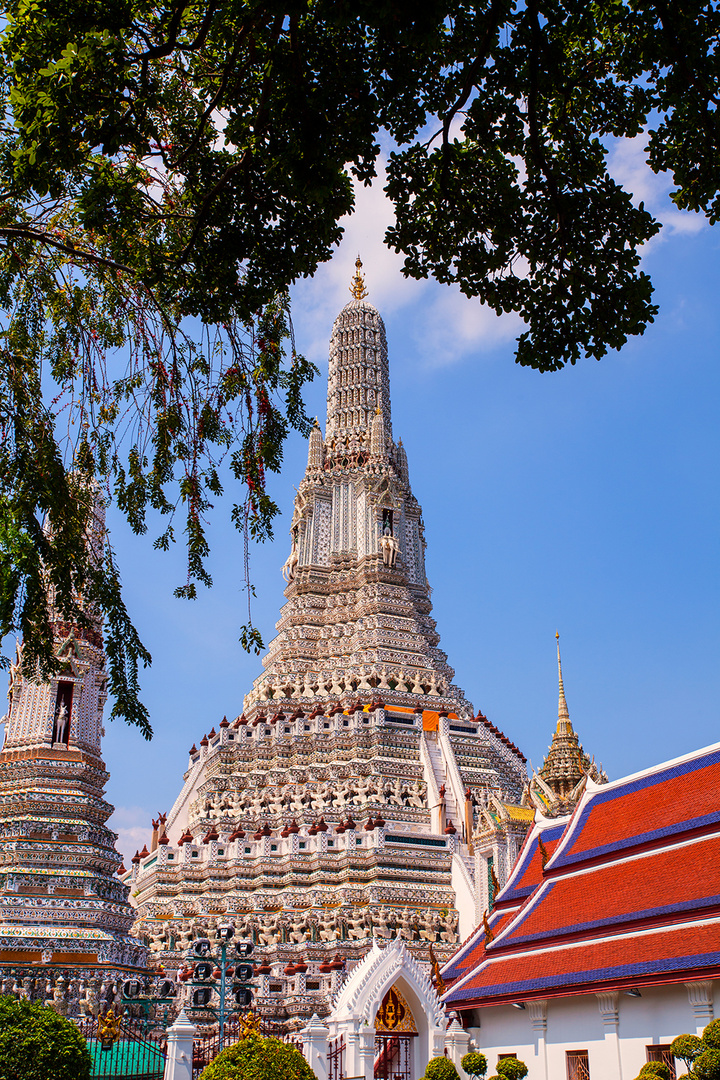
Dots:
(395, 1014)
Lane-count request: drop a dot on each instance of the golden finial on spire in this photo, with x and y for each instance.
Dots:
(357, 286)
(563, 714)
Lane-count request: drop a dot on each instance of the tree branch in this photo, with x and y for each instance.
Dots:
(216, 97)
(23, 231)
(496, 10)
(536, 142)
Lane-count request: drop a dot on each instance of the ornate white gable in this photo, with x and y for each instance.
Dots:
(362, 992)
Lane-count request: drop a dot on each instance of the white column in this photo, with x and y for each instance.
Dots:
(700, 996)
(457, 1044)
(435, 1044)
(179, 1060)
(608, 1005)
(349, 1030)
(366, 1047)
(315, 1046)
(538, 1019)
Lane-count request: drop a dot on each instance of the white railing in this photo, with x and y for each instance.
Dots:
(453, 776)
(461, 865)
(433, 791)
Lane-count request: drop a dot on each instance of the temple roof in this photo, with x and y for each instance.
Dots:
(671, 800)
(629, 894)
(558, 910)
(526, 876)
(647, 957)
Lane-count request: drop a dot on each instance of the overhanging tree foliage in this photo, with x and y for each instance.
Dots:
(167, 170)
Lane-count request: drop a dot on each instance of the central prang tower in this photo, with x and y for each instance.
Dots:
(339, 806)
(358, 611)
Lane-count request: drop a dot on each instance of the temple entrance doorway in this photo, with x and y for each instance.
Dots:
(395, 1030)
(393, 1057)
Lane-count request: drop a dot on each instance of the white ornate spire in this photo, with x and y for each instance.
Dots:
(67, 709)
(377, 437)
(358, 379)
(345, 741)
(402, 463)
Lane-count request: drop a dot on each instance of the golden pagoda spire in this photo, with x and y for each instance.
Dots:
(563, 725)
(357, 286)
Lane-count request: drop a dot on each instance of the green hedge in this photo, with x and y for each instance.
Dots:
(441, 1068)
(654, 1068)
(474, 1063)
(511, 1069)
(37, 1044)
(257, 1058)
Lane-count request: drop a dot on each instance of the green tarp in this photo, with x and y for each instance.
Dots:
(128, 1060)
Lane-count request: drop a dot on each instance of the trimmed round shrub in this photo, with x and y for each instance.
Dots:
(37, 1044)
(257, 1058)
(441, 1068)
(711, 1035)
(474, 1063)
(686, 1047)
(654, 1068)
(511, 1069)
(707, 1065)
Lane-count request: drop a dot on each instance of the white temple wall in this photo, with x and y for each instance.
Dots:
(616, 1051)
(465, 900)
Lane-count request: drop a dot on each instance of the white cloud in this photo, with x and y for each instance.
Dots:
(628, 166)
(452, 326)
(132, 824)
(448, 326)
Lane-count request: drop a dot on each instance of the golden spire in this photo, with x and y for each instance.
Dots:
(563, 724)
(357, 286)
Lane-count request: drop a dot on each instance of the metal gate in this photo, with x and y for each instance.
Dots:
(207, 1047)
(665, 1055)
(393, 1057)
(124, 1047)
(336, 1059)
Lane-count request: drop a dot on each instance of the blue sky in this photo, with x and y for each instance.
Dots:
(584, 501)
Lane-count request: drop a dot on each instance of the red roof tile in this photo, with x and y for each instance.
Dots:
(647, 887)
(649, 954)
(631, 893)
(674, 799)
